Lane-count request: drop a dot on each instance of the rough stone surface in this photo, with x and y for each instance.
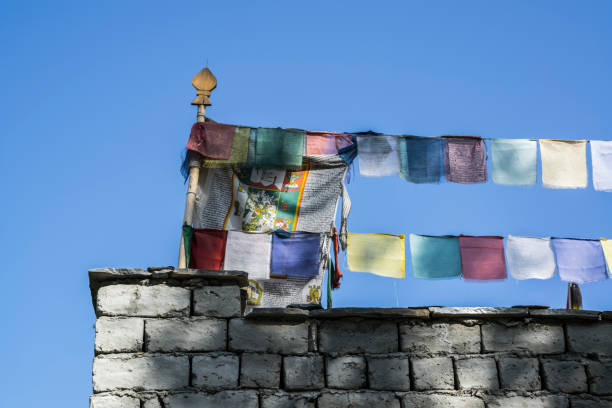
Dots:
(591, 338)
(113, 401)
(288, 400)
(590, 403)
(519, 373)
(478, 312)
(364, 399)
(146, 301)
(370, 312)
(346, 372)
(119, 334)
(414, 400)
(223, 399)
(303, 372)
(194, 334)
(532, 338)
(433, 374)
(129, 371)
(564, 376)
(263, 336)
(566, 314)
(477, 373)
(278, 314)
(367, 336)
(217, 301)
(440, 338)
(600, 378)
(552, 401)
(152, 403)
(215, 371)
(260, 370)
(389, 372)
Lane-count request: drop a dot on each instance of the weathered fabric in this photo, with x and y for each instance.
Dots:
(213, 140)
(601, 158)
(482, 258)
(579, 260)
(326, 143)
(379, 254)
(606, 245)
(530, 258)
(464, 159)
(207, 249)
(187, 237)
(277, 147)
(248, 252)
(378, 155)
(514, 161)
(295, 254)
(435, 257)
(420, 159)
(349, 153)
(239, 152)
(564, 163)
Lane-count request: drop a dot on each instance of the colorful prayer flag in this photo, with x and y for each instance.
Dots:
(514, 161)
(378, 155)
(564, 163)
(326, 143)
(380, 254)
(482, 258)
(248, 252)
(579, 260)
(239, 152)
(212, 140)
(606, 245)
(277, 147)
(601, 158)
(464, 159)
(295, 254)
(435, 257)
(530, 258)
(420, 159)
(207, 249)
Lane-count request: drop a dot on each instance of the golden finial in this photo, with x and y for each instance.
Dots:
(204, 82)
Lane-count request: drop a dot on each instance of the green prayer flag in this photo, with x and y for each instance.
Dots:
(187, 235)
(277, 147)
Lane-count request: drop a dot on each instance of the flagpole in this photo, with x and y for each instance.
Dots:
(204, 82)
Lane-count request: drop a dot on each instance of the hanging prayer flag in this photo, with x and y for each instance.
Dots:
(248, 252)
(482, 258)
(349, 153)
(464, 159)
(435, 257)
(579, 260)
(295, 254)
(601, 157)
(514, 161)
(606, 245)
(212, 140)
(378, 155)
(420, 159)
(277, 147)
(530, 258)
(380, 254)
(207, 249)
(564, 163)
(239, 152)
(325, 142)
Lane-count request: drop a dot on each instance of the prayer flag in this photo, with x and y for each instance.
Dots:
(380, 254)
(248, 252)
(212, 140)
(326, 143)
(606, 245)
(295, 254)
(482, 258)
(435, 257)
(420, 159)
(207, 249)
(239, 152)
(378, 155)
(579, 260)
(464, 159)
(276, 147)
(514, 161)
(601, 158)
(564, 163)
(530, 258)
(349, 153)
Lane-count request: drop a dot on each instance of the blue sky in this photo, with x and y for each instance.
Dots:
(95, 113)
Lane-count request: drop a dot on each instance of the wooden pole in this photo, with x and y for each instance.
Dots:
(204, 82)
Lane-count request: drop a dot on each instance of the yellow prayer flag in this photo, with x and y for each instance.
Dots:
(564, 163)
(606, 245)
(380, 254)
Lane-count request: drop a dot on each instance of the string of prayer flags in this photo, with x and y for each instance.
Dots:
(239, 152)
(277, 147)
(420, 159)
(349, 153)
(435, 257)
(482, 258)
(379, 254)
(248, 252)
(606, 245)
(564, 163)
(295, 254)
(464, 159)
(601, 159)
(326, 143)
(207, 249)
(530, 258)
(378, 155)
(212, 140)
(579, 260)
(514, 161)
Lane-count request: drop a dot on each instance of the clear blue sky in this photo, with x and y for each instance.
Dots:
(95, 113)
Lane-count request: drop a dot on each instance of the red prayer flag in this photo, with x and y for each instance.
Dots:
(464, 159)
(482, 258)
(207, 249)
(212, 140)
(326, 143)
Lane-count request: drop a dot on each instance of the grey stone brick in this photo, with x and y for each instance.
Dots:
(477, 373)
(217, 301)
(367, 336)
(553, 401)
(263, 336)
(389, 372)
(363, 399)
(415, 400)
(347, 372)
(534, 338)
(519, 374)
(590, 338)
(440, 338)
(149, 372)
(260, 370)
(119, 334)
(433, 374)
(282, 399)
(223, 399)
(189, 334)
(600, 378)
(564, 376)
(215, 371)
(146, 301)
(303, 372)
(590, 403)
(113, 401)
(152, 403)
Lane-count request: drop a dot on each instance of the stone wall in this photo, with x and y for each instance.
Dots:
(180, 339)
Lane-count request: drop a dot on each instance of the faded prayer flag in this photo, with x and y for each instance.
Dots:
(420, 159)
(435, 257)
(207, 249)
(601, 158)
(530, 258)
(482, 258)
(277, 147)
(378, 155)
(295, 254)
(464, 159)
(212, 140)
(564, 163)
(514, 161)
(579, 260)
(606, 245)
(248, 252)
(326, 143)
(380, 254)
(239, 152)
